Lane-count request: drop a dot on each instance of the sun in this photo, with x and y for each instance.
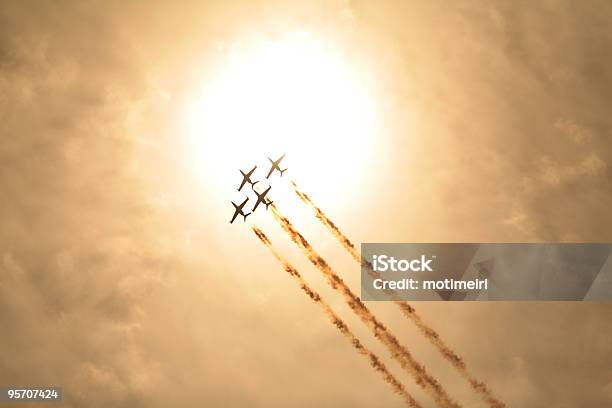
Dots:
(295, 94)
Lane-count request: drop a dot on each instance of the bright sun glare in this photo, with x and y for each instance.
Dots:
(293, 95)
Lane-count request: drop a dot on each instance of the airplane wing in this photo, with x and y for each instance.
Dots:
(235, 215)
(244, 180)
(259, 200)
(271, 170)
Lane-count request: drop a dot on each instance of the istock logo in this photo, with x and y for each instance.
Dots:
(384, 263)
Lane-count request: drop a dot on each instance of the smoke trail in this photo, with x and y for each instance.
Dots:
(375, 362)
(399, 352)
(406, 309)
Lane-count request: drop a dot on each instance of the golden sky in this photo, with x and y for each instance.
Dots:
(123, 125)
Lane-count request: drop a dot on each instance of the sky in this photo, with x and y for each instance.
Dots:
(122, 281)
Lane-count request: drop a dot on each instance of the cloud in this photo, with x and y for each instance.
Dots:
(497, 129)
(607, 391)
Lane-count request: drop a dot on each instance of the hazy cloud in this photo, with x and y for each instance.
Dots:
(118, 282)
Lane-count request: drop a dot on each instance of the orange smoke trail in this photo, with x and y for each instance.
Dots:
(344, 329)
(399, 352)
(406, 309)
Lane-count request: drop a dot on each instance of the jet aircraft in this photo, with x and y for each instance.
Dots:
(238, 210)
(275, 166)
(246, 178)
(261, 198)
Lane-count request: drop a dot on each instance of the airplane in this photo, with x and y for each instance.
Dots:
(261, 198)
(246, 178)
(275, 166)
(238, 210)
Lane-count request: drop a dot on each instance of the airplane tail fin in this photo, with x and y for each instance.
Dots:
(253, 183)
(268, 203)
(246, 215)
(282, 171)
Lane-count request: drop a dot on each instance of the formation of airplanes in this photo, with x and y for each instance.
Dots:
(261, 197)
